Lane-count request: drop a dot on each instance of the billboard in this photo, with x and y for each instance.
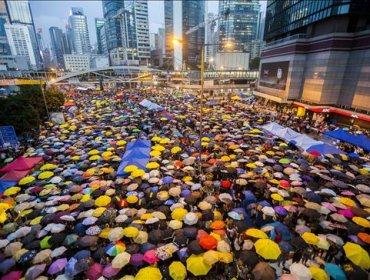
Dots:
(274, 74)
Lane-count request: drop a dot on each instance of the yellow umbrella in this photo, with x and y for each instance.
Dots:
(36, 220)
(45, 175)
(310, 238)
(158, 148)
(236, 97)
(206, 139)
(130, 168)
(149, 272)
(132, 199)
(318, 273)
(179, 214)
(277, 197)
(257, 233)
(177, 271)
(347, 201)
(156, 139)
(94, 157)
(120, 142)
(11, 191)
(210, 257)
(3, 217)
(165, 140)
(138, 173)
(187, 179)
(225, 257)
(130, 232)
(251, 165)
(107, 154)
(361, 222)
(196, 265)
(175, 150)
(255, 130)
(25, 212)
(48, 166)
(155, 153)
(107, 170)
(152, 165)
(105, 233)
(267, 249)
(225, 158)
(99, 211)
(102, 201)
(85, 197)
(356, 254)
(93, 152)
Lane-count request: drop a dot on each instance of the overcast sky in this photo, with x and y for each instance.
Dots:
(55, 13)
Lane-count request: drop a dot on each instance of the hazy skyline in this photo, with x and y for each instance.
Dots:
(55, 13)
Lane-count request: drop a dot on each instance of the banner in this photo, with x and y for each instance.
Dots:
(274, 74)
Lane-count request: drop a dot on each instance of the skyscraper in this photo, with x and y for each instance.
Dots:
(211, 39)
(79, 31)
(127, 31)
(181, 16)
(240, 26)
(59, 45)
(317, 52)
(4, 45)
(19, 12)
(99, 26)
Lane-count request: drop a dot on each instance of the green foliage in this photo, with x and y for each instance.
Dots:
(26, 110)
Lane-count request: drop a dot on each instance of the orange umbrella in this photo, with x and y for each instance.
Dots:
(217, 225)
(208, 242)
(364, 237)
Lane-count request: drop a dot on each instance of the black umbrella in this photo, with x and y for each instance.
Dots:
(299, 243)
(249, 258)
(155, 236)
(195, 248)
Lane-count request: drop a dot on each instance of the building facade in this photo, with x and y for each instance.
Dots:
(59, 45)
(79, 32)
(99, 27)
(77, 62)
(211, 39)
(180, 17)
(20, 43)
(318, 54)
(19, 13)
(127, 31)
(4, 19)
(239, 24)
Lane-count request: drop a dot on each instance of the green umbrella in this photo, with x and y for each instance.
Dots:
(284, 161)
(44, 243)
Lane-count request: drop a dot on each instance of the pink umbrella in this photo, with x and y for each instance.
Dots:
(109, 271)
(95, 271)
(14, 275)
(150, 257)
(347, 193)
(329, 206)
(291, 208)
(346, 213)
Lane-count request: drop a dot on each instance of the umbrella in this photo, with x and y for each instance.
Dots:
(196, 265)
(34, 271)
(263, 271)
(121, 260)
(318, 273)
(335, 271)
(267, 249)
(310, 238)
(211, 257)
(116, 248)
(150, 257)
(109, 271)
(253, 232)
(57, 266)
(300, 271)
(149, 273)
(356, 254)
(177, 271)
(13, 275)
(95, 271)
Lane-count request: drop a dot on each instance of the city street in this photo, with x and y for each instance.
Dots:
(117, 191)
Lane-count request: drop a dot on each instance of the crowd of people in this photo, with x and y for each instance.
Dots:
(233, 203)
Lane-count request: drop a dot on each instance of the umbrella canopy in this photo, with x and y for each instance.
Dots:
(267, 249)
(356, 254)
(149, 273)
(196, 265)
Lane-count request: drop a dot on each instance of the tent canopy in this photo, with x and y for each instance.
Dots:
(325, 149)
(342, 135)
(137, 153)
(22, 163)
(272, 127)
(150, 105)
(6, 185)
(14, 175)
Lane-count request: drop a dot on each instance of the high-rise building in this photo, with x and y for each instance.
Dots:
(161, 40)
(211, 39)
(127, 31)
(239, 25)
(99, 26)
(317, 52)
(19, 12)
(4, 45)
(180, 17)
(20, 42)
(79, 31)
(59, 45)
(153, 41)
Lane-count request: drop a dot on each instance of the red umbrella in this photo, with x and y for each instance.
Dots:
(314, 153)
(95, 271)
(208, 242)
(14, 275)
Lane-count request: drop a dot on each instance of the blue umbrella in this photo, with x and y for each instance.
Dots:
(335, 271)
(285, 246)
(82, 254)
(314, 197)
(70, 269)
(6, 264)
(167, 180)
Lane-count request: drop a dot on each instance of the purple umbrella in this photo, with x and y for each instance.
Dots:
(57, 266)
(109, 271)
(281, 210)
(35, 271)
(136, 259)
